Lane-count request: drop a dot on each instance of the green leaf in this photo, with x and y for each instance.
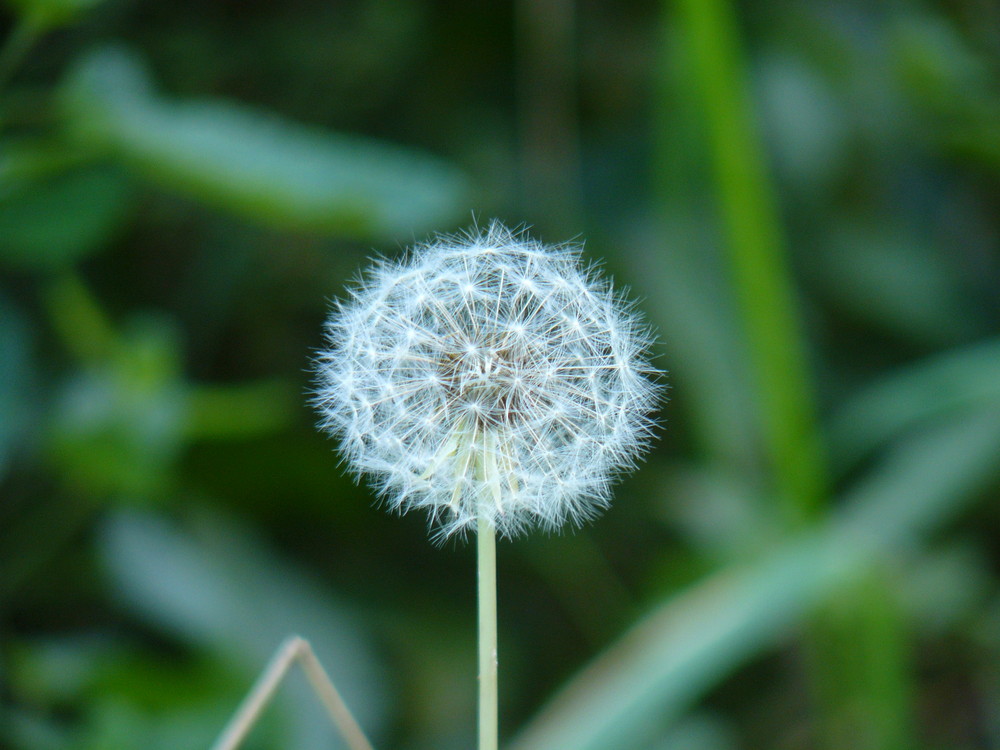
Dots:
(805, 123)
(47, 14)
(946, 588)
(757, 255)
(15, 375)
(257, 165)
(219, 589)
(958, 381)
(699, 732)
(22, 728)
(64, 218)
(32, 160)
(899, 283)
(243, 410)
(120, 422)
(683, 283)
(693, 640)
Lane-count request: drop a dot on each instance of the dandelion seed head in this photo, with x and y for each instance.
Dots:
(488, 375)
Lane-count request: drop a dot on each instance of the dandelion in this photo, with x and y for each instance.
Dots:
(488, 376)
(497, 383)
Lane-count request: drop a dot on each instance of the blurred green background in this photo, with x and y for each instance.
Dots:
(804, 195)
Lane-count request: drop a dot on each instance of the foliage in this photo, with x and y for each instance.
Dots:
(803, 194)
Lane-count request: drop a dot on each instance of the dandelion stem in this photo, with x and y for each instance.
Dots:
(487, 571)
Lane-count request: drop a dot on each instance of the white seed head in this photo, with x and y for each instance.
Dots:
(488, 375)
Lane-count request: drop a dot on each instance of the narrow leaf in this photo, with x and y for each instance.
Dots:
(257, 165)
(693, 640)
(937, 387)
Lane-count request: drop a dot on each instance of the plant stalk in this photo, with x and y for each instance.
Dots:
(294, 649)
(856, 660)
(758, 258)
(487, 575)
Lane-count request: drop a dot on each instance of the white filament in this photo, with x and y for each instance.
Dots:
(489, 376)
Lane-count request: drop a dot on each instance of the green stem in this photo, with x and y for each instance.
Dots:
(487, 571)
(757, 256)
(22, 38)
(857, 660)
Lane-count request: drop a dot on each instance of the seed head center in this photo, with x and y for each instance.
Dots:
(486, 382)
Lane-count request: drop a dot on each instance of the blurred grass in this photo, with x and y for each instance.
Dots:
(757, 259)
(645, 680)
(859, 668)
